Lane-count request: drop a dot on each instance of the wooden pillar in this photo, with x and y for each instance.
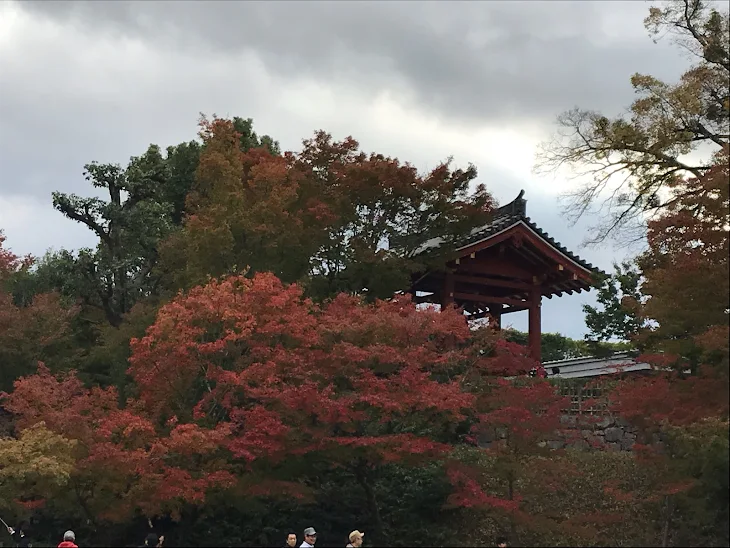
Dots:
(495, 311)
(535, 328)
(447, 294)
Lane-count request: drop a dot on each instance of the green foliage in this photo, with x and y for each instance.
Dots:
(129, 226)
(619, 295)
(701, 451)
(559, 347)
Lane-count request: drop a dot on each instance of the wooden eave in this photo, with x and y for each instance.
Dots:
(503, 261)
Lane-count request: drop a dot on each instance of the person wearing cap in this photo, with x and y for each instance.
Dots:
(310, 538)
(355, 539)
(69, 540)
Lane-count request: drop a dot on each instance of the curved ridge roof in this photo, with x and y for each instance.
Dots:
(503, 218)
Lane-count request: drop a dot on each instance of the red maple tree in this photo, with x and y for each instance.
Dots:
(240, 375)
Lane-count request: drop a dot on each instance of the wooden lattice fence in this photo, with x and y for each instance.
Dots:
(587, 397)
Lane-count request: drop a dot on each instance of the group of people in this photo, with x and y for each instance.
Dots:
(69, 539)
(310, 539)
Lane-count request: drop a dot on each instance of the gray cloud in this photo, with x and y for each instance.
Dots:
(472, 62)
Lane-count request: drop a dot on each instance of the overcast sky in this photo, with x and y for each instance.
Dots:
(480, 81)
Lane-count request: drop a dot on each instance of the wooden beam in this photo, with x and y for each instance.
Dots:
(497, 268)
(491, 281)
(489, 300)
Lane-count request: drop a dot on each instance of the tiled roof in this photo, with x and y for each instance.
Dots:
(620, 362)
(505, 217)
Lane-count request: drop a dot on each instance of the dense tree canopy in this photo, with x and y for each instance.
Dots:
(330, 217)
(36, 329)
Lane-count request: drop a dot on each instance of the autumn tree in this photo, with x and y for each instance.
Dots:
(330, 216)
(123, 463)
(34, 467)
(683, 437)
(341, 384)
(247, 378)
(633, 161)
(516, 419)
(35, 329)
(686, 270)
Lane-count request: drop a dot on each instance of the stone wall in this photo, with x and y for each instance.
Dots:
(604, 433)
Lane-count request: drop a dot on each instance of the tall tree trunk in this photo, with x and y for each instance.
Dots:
(668, 510)
(363, 478)
(511, 496)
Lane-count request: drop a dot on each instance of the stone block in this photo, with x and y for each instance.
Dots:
(614, 434)
(556, 444)
(658, 447)
(613, 447)
(581, 445)
(568, 420)
(627, 443)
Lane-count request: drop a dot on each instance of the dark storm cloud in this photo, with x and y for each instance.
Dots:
(472, 62)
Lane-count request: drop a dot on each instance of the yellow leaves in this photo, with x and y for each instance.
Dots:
(644, 82)
(36, 464)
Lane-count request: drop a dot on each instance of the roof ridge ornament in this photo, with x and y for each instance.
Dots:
(516, 208)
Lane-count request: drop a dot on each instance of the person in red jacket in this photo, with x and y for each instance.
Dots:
(69, 540)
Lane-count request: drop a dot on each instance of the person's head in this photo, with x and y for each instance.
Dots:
(291, 539)
(356, 538)
(502, 542)
(151, 540)
(69, 536)
(310, 535)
